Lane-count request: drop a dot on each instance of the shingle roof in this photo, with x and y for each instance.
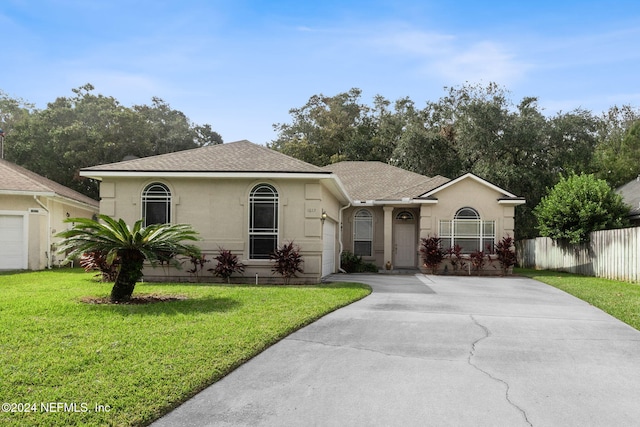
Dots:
(630, 193)
(14, 178)
(381, 181)
(239, 156)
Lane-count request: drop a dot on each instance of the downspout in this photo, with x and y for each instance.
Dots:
(48, 252)
(340, 235)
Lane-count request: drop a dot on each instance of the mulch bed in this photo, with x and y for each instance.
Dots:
(137, 299)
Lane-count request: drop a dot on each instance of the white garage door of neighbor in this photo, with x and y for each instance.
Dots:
(328, 248)
(13, 245)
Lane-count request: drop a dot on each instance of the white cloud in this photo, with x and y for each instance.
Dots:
(487, 61)
(453, 58)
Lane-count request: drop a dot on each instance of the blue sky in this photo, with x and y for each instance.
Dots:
(241, 65)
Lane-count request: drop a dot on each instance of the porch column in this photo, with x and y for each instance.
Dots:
(388, 234)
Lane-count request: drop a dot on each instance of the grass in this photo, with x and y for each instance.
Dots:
(619, 299)
(136, 361)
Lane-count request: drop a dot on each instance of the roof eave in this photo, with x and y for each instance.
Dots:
(395, 202)
(196, 174)
(78, 203)
(335, 187)
(27, 193)
(512, 201)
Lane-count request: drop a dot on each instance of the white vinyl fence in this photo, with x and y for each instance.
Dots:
(612, 254)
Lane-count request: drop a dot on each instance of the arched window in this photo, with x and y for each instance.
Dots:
(156, 204)
(468, 231)
(363, 233)
(263, 221)
(404, 216)
(467, 213)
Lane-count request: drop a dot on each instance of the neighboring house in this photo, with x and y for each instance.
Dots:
(630, 193)
(32, 210)
(248, 199)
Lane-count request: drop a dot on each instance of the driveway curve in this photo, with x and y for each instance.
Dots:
(437, 351)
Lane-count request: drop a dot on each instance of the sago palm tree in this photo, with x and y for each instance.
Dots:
(132, 246)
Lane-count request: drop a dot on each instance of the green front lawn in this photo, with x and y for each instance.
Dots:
(619, 299)
(60, 357)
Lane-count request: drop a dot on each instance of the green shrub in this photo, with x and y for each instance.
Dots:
(578, 205)
(352, 263)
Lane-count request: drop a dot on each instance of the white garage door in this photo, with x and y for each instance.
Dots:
(13, 245)
(328, 248)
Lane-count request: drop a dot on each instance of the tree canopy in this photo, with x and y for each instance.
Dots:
(471, 128)
(88, 129)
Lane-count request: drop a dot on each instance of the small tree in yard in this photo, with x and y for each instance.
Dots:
(506, 254)
(228, 264)
(287, 261)
(131, 246)
(578, 205)
(432, 253)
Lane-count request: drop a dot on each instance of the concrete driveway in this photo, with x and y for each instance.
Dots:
(438, 351)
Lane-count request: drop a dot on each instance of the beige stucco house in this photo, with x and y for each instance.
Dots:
(248, 199)
(32, 210)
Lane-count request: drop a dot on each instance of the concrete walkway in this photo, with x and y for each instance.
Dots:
(438, 351)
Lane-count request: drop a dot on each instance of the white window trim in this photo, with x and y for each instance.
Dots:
(167, 198)
(273, 231)
(356, 219)
(484, 239)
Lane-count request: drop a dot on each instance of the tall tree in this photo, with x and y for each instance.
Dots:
(88, 129)
(617, 153)
(330, 129)
(422, 146)
(12, 111)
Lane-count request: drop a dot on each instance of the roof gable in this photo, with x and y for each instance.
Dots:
(234, 157)
(16, 179)
(505, 195)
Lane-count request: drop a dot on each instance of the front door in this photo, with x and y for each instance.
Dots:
(405, 244)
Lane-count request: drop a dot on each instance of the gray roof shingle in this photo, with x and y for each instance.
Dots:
(239, 156)
(14, 178)
(630, 193)
(381, 181)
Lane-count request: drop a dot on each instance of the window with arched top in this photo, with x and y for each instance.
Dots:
(467, 213)
(263, 221)
(363, 233)
(469, 231)
(404, 216)
(156, 204)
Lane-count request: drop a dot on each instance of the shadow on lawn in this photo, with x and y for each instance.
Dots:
(207, 304)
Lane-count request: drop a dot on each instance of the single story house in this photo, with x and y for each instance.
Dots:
(249, 199)
(32, 210)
